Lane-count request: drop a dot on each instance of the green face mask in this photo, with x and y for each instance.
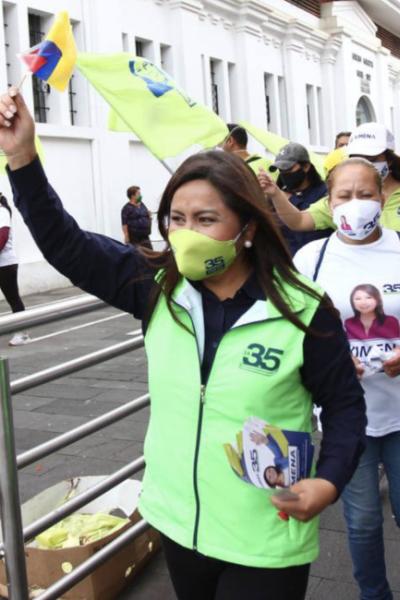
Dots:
(198, 256)
(139, 199)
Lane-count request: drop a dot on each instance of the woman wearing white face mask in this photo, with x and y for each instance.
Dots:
(359, 268)
(372, 141)
(231, 331)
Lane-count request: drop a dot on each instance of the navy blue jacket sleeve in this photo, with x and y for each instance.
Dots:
(116, 273)
(328, 373)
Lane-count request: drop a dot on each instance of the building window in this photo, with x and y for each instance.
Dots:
(310, 114)
(166, 58)
(7, 45)
(139, 48)
(322, 136)
(267, 88)
(40, 88)
(284, 127)
(125, 42)
(365, 111)
(144, 48)
(72, 101)
(233, 92)
(272, 104)
(314, 114)
(214, 87)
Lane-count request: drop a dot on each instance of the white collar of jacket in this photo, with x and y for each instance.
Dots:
(187, 297)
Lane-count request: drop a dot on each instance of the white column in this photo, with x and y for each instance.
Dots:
(382, 80)
(345, 102)
(185, 15)
(293, 52)
(396, 101)
(328, 116)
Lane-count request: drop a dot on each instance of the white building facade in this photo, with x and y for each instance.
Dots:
(305, 69)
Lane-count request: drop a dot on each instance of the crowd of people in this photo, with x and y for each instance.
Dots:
(273, 295)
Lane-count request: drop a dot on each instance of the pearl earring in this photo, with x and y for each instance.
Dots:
(248, 244)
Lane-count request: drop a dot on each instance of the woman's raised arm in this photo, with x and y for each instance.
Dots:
(292, 217)
(100, 265)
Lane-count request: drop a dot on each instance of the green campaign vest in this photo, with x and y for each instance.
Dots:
(190, 492)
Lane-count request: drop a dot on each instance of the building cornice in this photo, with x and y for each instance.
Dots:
(253, 17)
(193, 6)
(331, 50)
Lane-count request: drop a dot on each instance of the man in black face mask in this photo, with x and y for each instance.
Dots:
(300, 179)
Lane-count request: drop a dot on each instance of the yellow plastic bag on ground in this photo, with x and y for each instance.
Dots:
(78, 530)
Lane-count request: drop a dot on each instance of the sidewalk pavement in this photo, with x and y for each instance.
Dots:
(43, 412)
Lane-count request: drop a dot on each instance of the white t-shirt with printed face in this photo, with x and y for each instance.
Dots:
(363, 282)
(7, 255)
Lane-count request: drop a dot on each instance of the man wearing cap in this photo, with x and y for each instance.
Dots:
(374, 142)
(300, 179)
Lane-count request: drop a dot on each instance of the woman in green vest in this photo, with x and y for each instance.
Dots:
(232, 331)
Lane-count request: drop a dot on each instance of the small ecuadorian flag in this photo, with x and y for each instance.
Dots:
(53, 60)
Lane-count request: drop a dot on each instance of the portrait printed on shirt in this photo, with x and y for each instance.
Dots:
(372, 333)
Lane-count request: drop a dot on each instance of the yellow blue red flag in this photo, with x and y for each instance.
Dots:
(53, 60)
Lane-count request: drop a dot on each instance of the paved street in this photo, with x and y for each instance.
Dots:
(45, 411)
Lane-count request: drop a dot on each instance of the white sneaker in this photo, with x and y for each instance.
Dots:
(19, 339)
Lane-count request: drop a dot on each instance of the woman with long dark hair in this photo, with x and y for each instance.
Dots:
(9, 268)
(231, 331)
(369, 320)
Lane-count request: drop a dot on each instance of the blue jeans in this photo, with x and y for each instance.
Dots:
(363, 513)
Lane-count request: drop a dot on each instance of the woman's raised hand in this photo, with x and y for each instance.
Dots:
(17, 130)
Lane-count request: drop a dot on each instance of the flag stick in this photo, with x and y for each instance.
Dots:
(25, 75)
(164, 164)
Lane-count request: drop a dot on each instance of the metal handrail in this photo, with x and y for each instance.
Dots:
(10, 508)
(65, 439)
(13, 533)
(46, 313)
(74, 365)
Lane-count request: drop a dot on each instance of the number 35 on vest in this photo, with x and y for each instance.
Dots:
(260, 359)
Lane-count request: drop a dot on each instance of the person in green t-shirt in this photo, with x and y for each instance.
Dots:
(237, 142)
(373, 142)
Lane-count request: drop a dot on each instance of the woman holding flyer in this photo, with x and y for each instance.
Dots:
(231, 332)
(367, 265)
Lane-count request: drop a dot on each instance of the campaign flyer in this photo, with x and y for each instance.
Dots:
(269, 457)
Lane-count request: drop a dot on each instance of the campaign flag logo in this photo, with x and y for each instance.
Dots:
(145, 100)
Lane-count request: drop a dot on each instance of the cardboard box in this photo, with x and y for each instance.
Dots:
(44, 567)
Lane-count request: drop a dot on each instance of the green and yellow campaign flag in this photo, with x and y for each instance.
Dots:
(145, 100)
(273, 143)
